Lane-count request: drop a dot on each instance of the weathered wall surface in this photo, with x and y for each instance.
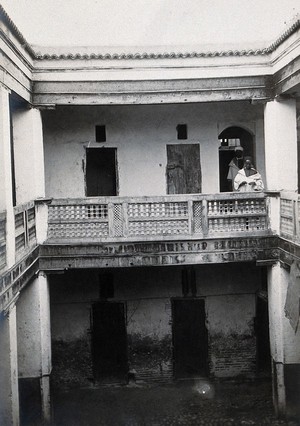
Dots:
(229, 293)
(140, 134)
(283, 288)
(232, 338)
(28, 154)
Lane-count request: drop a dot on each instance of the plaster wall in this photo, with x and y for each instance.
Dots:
(285, 341)
(28, 155)
(6, 201)
(140, 134)
(229, 293)
(281, 144)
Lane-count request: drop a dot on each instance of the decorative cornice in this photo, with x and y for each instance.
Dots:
(165, 55)
(127, 56)
(285, 36)
(174, 55)
(14, 29)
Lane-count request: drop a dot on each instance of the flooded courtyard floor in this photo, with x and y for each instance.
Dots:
(182, 403)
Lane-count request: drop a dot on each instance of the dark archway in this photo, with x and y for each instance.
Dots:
(230, 138)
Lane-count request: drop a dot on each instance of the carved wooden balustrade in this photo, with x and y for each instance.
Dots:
(290, 216)
(157, 218)
(2, 240)
(14, 279)
(25, 228)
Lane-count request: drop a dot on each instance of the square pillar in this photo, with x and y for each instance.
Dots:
(6, 199)
(280, 125)
(276, 306)
(28, 154)
(285, 342)
(9, 393)
(34, 347)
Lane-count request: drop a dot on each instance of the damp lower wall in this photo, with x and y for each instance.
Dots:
(229, 292)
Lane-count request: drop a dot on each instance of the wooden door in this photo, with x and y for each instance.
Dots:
(183, 169)
(109, 342)
(190, 344)
(101, 176)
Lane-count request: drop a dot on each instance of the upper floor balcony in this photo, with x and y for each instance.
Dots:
(57, 234)
(160, 218)
(96, 221)
(97, 232)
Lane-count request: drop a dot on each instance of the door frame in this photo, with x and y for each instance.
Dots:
(92, 146)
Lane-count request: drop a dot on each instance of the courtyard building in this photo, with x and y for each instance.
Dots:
(125, 255)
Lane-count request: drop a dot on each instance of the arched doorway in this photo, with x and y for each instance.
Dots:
(231, 138)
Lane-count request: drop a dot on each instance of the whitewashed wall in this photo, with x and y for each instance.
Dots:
(28, 155)
(140, 134)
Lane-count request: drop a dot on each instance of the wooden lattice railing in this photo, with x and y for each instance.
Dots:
(290, 216)
(2, 240)
(152, 218)
(25, 228)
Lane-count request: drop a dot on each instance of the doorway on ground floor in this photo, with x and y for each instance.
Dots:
(263, 354)
(190, 340)
(109, 342)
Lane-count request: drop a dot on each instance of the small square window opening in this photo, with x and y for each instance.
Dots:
(181, 131)
(100, 133)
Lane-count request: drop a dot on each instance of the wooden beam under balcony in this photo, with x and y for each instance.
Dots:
(287, 79)
(136, 254)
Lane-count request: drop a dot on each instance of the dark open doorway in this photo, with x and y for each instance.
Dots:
(183, 169)
(227, 151)
(190, 342)
(101, 176)
(263, 355)
(109, 342)
(261, 322)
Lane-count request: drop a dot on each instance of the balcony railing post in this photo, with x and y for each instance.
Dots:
(295, 218)
(204, 218)
(190, 217)
(42, 213)
(2, 240)
(273, 211)
(110, 213)
(125, 219)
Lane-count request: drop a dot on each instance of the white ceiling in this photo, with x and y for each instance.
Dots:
(202, 24)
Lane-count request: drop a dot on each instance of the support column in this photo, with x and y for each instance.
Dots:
(6, 200)
(281, 145)
(285, 339)
(34, 349)
(276, 304)
(9, 394)
(29, 154)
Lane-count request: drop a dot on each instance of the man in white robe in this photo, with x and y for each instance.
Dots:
(248, 179)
